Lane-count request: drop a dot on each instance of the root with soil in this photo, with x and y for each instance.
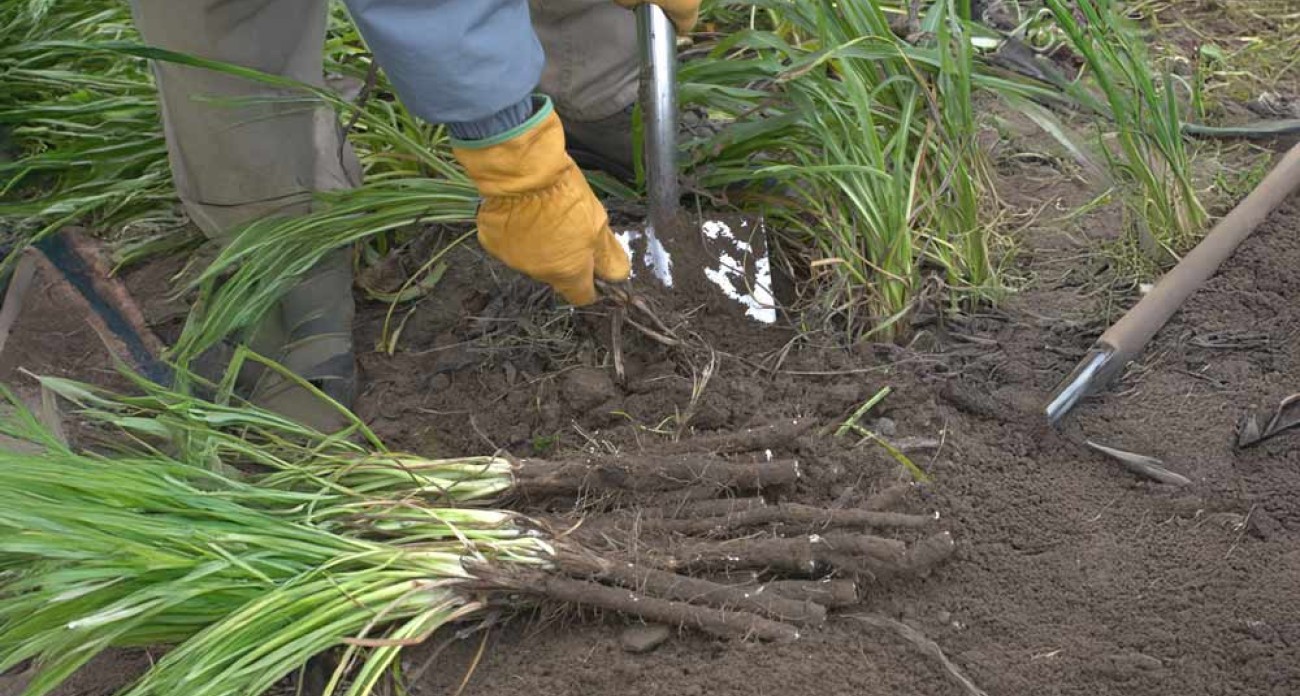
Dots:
(390, 547)
(660, 553)
(649, 562)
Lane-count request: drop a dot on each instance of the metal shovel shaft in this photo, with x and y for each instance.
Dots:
(658, 44)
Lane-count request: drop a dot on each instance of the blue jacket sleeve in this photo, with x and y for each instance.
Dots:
(454, 61)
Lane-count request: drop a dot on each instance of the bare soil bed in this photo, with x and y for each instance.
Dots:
(1071, 575)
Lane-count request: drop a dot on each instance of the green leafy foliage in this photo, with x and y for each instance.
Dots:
(248, 576)
(864, 143)
(1150, 157)
(83, 138)
(852, 125)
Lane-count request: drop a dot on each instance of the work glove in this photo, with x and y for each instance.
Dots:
(539, 216)
(682, 12)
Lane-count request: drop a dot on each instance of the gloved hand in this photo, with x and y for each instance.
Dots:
(682, 12)
(539, 216)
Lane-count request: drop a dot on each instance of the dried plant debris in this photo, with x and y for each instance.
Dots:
(1284, 418)
(1142, 465)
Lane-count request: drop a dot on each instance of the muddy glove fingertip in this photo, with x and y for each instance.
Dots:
(578, 290)
(612, 263)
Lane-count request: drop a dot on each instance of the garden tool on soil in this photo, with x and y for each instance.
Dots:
(13, 288)
(84, 276)
(1123, 341)
(727, 257)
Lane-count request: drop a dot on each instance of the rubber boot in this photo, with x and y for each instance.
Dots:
(311, 335)
(604, 145)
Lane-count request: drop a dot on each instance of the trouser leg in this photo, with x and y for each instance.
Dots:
(591, 56)
(239, 151)
(591, 73)
(236, 162)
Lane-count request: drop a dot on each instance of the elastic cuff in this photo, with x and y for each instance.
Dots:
(501, 126)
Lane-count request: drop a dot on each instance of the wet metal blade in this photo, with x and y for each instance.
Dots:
(658, 44)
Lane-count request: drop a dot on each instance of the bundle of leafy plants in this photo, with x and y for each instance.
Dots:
(246, 544)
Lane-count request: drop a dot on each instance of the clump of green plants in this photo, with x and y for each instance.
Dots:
(84, 142)
(79, 110)
(851, 125)
(1248, 53)
(248, 579)
(1150, 155)
(870, 137)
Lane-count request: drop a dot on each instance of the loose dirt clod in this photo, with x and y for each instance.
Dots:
(644, 637)
(586, 388)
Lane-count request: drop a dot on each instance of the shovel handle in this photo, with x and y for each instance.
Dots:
(1125, 340)
(658, 45)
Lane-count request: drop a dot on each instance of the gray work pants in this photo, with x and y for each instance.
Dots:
(237, 156)
(236, 163)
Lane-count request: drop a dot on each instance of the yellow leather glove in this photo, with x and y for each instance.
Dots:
(684, 13)
(539, 216)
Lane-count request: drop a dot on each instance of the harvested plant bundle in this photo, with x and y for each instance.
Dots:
(250, 575)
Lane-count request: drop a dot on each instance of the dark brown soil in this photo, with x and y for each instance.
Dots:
(1071, 575)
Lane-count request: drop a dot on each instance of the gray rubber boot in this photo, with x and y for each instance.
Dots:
(315, 343)
(605, 145)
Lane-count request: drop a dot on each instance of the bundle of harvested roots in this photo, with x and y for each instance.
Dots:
(251, 573)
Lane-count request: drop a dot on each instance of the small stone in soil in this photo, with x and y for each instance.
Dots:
(439, 382)
(585, 388)
(1125, 664)
(644, 637)
(885, 427)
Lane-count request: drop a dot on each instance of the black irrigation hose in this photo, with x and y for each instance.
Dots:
(1260, 130)
(1014, 56)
